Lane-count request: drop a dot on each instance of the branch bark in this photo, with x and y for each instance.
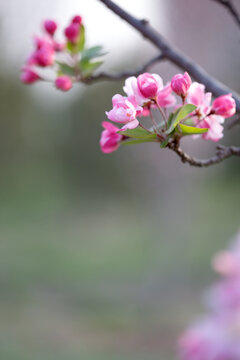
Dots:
(173, 54)
(231, 8)
(123, 75)
(223, 153)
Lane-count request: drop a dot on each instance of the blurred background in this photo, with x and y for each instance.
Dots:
(106, 256)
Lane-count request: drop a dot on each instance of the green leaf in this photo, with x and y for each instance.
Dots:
(179, 115)
(81, 41)
(66, 69)
(87, 67)
(138, 132)
(190, 130)
(165, 142)
(92, 52)
(137, 141)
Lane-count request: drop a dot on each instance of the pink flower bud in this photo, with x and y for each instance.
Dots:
(224, 105)
(72, 32)
(28, 76)
(77, 20)
(110, 139)
(63, 83)
(44, 56)
(58, 46)
(50, 26)
(181, 83)
(147, 85)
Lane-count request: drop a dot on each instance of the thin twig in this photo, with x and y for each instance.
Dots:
(231, 8)
(173, 54)
(223, 153)
(106, 76)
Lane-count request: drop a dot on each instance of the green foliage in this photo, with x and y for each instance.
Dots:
(138, 133)
(178, 116)
(190, 130)
(93, 52)
(65, 69)
(87, 67)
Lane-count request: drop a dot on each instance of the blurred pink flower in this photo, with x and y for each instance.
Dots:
(125, 111)
(224, 105)
(110, 139)
(29, 76)
(63, 83)
(72, 32)
(165, 97)
(181, 83)
(50, 26)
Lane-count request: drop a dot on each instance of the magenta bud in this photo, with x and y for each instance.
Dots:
(50, 26)
(224, 105)
(77, 20)
(63, 83)
(29, 76)
(147, 85)
(181, 83)
(72, 32)
(44, 56)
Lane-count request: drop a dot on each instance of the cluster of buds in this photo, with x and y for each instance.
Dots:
(217, 335)
(69, 60)
(192, 115)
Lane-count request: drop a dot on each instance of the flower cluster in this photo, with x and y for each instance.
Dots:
(69, 60)
(193, 115)
(217, 335)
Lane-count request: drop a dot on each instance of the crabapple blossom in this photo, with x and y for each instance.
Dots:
(110, 139)
(44, 56)
(217, 335)
(72, 32)
(28, 76)
(152, 82)
(165, 97)
(213, 123)
(125, 111)
(50, 26)
(224, 105)
(63, 83)
(77, 19)
(148, 85)
(181, 83)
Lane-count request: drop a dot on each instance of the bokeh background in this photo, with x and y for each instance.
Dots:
(106, 256)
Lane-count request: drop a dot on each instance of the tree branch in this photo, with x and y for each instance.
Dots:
(231, 8)
(223, 153)
(123, 75)
(173, 54)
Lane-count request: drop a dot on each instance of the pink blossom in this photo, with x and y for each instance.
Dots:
(213, 123)
(72, 32)
(165, 97)
(227, 263)
(125, 111)
(50, 26)
(224, 105)
(44, 56)
(181, 83)
(147, 85)
(63, 83)
(110, 139)
(58, 46)
(131, 87)
(197, 96)
(29, 76)
(77, 19)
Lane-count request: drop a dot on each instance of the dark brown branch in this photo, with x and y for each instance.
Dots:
(106, 76)
(222, 154)
(231, 8)
(173, 54)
